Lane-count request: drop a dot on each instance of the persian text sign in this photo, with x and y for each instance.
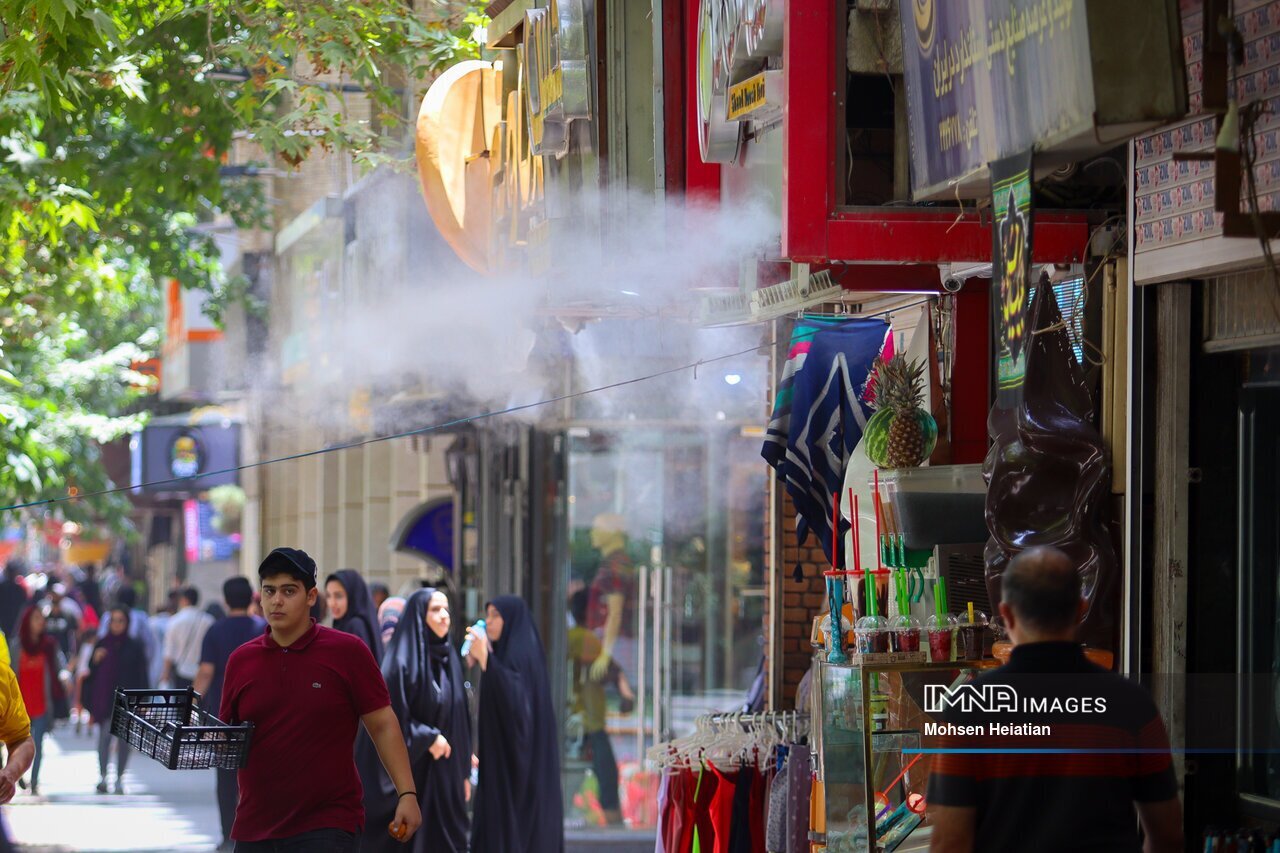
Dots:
(1011, 272)
(989, 78)
(557, 84)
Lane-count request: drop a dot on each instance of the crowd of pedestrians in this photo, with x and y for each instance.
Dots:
(369, 724)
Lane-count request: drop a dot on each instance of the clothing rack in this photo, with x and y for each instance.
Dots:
(791, 722)
(732, 736)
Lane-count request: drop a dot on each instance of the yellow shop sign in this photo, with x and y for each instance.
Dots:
(746, 97)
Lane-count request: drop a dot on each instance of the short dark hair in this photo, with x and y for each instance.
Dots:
(1042, 587)
(578, 607)
(126, 596)
(375, 588)
(237, 592)
(191, 594)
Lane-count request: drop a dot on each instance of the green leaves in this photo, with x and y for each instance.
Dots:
(116, 118)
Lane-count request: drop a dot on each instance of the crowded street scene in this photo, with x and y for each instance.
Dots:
(603, 426)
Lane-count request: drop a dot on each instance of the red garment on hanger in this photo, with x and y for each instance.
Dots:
(721, 811)
(677, 817)
(706, 785)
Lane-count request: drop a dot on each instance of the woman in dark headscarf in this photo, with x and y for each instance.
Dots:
(424, 676)
(118, 661)
(518, 803)
(352, 608)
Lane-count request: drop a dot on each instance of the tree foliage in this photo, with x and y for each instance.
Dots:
(116, 121)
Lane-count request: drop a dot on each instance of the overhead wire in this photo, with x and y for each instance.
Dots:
(363, 442)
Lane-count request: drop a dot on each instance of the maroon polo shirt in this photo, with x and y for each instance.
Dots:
(305, 702)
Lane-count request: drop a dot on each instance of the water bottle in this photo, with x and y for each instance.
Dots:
(466, 644)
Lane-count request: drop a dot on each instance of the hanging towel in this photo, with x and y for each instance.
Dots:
(819, 415)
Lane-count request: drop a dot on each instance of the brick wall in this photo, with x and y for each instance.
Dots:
(801, 601)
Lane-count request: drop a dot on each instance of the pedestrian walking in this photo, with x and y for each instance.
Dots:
(219, 642)
(39, 665)
(158, 626)
(1062, 794)
(352, 608)
(588, 702)
(13, 595)
(182, 640)
(424, 676)
(15, 734)
(389, 616)
(140, 630)
(118, 661)
(380, 593)
(307, 689)
(519, 808)
(63, 617)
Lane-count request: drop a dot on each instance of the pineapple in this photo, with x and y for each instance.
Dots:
(901, 434)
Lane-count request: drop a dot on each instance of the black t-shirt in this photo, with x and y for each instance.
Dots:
(220, 641)
(1060, 764)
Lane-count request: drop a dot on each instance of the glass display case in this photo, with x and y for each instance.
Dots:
(867, 738)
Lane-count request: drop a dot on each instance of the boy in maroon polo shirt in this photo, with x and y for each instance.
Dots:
(306, 689)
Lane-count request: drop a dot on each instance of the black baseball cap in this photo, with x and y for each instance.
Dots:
(290, 561)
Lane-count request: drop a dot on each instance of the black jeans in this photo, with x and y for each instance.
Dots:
(228, 796)
(316, 841)
(605, 767)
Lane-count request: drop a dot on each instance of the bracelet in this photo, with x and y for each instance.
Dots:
(407, 793)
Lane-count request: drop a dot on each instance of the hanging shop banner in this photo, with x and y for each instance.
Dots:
(989, 78)
(558, 83)
(1011, 271)
(735, 37)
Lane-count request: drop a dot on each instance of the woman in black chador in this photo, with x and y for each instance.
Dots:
(518, 803)
(424, 675)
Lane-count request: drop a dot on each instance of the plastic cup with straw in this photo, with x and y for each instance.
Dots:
(941, 625)
(905, 628)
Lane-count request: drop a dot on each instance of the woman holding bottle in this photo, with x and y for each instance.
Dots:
(424, 676)
(518, 803)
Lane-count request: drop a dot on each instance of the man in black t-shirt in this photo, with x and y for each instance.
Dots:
(1059, 751)
(220, 641)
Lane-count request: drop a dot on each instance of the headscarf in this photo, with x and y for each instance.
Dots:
(361, 618)
(389, 616)
(121, 667)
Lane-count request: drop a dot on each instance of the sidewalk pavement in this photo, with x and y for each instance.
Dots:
(161, 810)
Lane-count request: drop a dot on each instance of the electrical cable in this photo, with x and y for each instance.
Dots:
(376, 439)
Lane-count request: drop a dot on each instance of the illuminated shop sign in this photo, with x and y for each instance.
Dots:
(735, 37)
(557, 79)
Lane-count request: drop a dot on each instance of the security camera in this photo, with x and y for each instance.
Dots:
(951, 284)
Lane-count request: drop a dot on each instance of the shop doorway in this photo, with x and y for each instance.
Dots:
(664, 561)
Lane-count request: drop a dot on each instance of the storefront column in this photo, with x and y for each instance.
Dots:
(330, 509)
(406, 493)
(351, 508)
(1169, 577)
(309, 503)
(375, 561)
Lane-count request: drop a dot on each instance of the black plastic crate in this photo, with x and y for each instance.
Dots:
(169, 726)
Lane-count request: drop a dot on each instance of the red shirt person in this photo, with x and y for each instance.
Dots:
(307, 689)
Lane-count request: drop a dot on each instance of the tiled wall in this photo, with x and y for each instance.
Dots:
(1174, 200)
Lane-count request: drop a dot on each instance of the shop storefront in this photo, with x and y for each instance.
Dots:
(1002, 320)
(1205, 325)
